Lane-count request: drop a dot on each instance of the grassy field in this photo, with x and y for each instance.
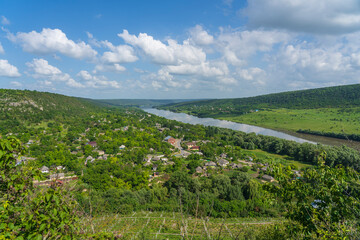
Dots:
(337, 120)
(273, 158)
(165, 225)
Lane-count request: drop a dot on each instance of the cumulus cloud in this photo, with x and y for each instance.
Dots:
(171, 53)
(50, 41)
(109, 68)
(43, 70)
(118, 54)
(200, 36)
(254, 75)
(16, 83)
(313, 16)
(94, 81)
(8, 70)
(1, 49)
(237, 46)
(4, 20)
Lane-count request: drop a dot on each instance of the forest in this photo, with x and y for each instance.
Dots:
(70, 161)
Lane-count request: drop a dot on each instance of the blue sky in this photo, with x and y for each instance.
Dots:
(178, 49)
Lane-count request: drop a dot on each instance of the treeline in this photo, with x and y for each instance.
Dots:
(354, 137)
(339, 96)
(304, 152)
(220, 195)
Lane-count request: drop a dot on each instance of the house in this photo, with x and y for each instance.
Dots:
(185, 154)
(100, 152)
(223, 155)
(190, 145)
(60, 168)
(164, 159)
(92, 143)
(89, 158)
(148, 158)
(223, 162)
(199, 169)
(122, 147)
(44, 169)
(170, 140)
(210, 164)
(195, 148)
(268, 178)
(248, 158)
(57, 176)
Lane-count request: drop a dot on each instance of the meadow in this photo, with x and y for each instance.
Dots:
(337, 120)
(165, 225)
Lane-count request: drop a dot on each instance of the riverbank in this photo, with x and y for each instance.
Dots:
(248, 124)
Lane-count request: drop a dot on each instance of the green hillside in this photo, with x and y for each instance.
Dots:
(20, 107)
(339, 96)
(140, 102)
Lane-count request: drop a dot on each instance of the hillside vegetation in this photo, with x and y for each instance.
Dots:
(74, 170)
(143, 103)
(20, 108)
(331, 111)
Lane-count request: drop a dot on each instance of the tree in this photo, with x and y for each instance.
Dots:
(321, 201)
(26, 212)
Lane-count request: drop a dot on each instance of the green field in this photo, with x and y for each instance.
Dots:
(337, 120)
(162, 225)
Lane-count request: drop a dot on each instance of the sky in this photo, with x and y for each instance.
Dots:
(186, 49)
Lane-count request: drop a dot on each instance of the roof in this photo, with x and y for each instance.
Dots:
(44, 168)
(267, 177)
(168, 137)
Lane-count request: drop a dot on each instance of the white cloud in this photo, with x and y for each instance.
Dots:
(254, 75)
(170, 54)
(8, 70)
(50, 41)
(118, 54)
(16, 83)
(94, 81)
(204, 69)
(314, 16)
(4, 20)
(1, 49)
(200, 36)
(43, 70)
(109, 68)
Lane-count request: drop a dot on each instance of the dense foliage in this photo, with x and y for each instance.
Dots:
(340, 96)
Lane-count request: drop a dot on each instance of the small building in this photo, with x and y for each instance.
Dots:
(195, 148)
(100, 152)
(57, 176)
(223, 162)
(268, 178)
(60, 168)
(190, 145)
(199, 169)
(210, 164)
(92, 143)
(122, 147)
(223, 155)
(44, 169)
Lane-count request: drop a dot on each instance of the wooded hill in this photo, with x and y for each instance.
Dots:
(16, 106)
(339, 96)
(143, 103)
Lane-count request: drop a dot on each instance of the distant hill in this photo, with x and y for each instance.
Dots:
(339, 96)
(19, 106)
(143, 103)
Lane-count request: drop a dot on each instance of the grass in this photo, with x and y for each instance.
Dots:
(173, 225)
(271, 157)
(337, 120)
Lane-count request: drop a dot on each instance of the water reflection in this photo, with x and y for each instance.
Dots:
(186, 118)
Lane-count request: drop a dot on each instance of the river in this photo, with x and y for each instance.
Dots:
(186, 118)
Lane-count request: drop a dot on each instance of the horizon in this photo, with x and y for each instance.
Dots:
(178, 49)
